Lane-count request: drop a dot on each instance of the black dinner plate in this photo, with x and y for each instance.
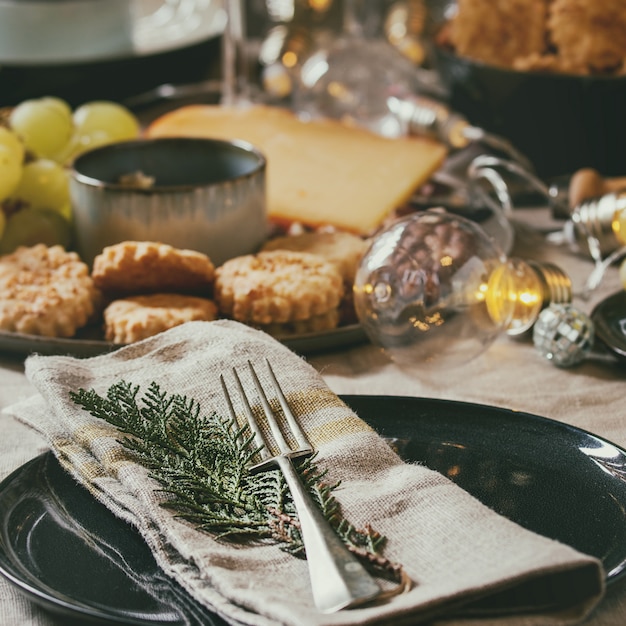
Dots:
(69, 554)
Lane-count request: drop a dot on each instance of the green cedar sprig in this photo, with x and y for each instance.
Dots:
(202, 463)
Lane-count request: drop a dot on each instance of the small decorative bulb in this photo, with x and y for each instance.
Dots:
(563, 335)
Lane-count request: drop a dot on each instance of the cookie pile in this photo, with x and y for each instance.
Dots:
(153, 286)
(296, 284)
(150, 287)
(568, 36)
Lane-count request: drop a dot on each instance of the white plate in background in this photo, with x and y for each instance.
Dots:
(75, 31)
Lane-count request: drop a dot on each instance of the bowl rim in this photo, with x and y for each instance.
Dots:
(119, 146)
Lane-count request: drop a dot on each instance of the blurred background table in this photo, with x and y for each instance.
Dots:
(511, 374)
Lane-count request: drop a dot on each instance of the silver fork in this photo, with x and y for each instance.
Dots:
(338, 579)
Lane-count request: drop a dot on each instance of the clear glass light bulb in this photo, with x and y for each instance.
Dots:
(434, 291)
(354, 80)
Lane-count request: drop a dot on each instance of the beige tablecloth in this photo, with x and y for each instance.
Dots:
(510, 374)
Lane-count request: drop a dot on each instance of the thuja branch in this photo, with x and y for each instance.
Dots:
(201, 462)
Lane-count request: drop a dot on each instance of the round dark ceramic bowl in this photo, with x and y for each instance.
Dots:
(561, 122)
(199, 194)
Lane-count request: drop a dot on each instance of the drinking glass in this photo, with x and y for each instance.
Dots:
(358, 74)
(234, 55)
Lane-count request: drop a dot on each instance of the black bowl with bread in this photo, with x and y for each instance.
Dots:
(562, 107)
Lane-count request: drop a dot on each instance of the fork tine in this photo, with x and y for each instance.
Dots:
(231, 409)
(281, 442)
(263, 451)
(303, 443)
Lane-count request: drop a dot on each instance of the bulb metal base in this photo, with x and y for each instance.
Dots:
(594, 223)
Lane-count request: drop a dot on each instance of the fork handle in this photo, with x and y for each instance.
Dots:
(338, 579)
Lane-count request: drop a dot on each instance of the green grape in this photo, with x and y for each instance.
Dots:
(11, 141)
(82, 143)
(60, 104)
(28, 227)
(44, 126)
(44, 185)
(10, 172)
(70, 152)
(107, 117)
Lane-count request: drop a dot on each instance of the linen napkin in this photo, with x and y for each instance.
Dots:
(462, 556)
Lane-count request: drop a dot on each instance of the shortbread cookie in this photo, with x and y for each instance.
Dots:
(130, 319)
(139, 267)
(343, 249)
(45, 291)
(277, 286)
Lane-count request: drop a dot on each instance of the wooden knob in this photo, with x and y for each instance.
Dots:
(584, 184)
(588, 183)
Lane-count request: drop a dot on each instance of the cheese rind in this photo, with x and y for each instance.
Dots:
(318, 172)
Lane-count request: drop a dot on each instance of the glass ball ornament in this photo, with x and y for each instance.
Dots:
(563, 335)
(420, 291)
(434, 291)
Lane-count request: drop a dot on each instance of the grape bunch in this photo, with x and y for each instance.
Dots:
(39, 139)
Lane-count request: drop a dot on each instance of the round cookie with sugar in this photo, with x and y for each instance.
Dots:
(45, 291)
(277, 286)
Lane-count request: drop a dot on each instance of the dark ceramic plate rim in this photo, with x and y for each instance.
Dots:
(413, 415)
(604, 317)
(22, 345)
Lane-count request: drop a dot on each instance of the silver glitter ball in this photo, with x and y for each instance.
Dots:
(563, 334)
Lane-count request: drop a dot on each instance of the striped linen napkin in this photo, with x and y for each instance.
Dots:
(463, 558)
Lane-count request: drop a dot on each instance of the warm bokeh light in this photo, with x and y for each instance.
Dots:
(514, 295)
(320, 5)
(618, 224)
(290, 59)
(517, 291)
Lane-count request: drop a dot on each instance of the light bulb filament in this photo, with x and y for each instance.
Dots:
(529, 298)
(618, 225)
(428, 322)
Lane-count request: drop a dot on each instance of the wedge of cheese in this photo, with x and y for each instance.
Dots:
(318, 172)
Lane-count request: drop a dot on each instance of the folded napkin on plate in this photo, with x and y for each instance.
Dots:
(462, 556)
